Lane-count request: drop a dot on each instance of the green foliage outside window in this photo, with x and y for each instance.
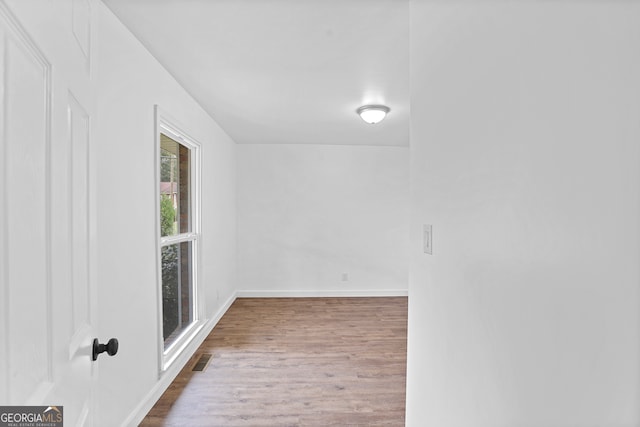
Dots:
(167, 215)
(169, 268)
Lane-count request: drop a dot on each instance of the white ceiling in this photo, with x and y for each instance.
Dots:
(284, 71)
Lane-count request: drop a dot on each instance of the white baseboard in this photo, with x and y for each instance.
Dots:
(141, 410)
(322, 293)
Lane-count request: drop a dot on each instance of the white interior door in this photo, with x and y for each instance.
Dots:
(47, 208)
(26, 204)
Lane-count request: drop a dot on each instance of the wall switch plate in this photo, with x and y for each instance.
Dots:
(427, 239)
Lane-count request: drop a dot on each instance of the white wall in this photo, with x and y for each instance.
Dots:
(309, 213)
(525, 158)
(129, 81)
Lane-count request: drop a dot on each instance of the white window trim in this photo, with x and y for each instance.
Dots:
(166, 125)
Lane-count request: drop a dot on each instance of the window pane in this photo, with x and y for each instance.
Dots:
(175, 209)
(177, 290)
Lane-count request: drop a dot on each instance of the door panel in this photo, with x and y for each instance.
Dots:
(26, 142)
(81, 374)
(47, 209)
(79, 218)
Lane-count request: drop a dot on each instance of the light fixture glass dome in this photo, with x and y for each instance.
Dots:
(373, 113)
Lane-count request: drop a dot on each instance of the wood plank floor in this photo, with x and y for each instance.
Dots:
(296, 362)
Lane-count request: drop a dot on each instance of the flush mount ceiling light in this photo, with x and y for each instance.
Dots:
(373, 113)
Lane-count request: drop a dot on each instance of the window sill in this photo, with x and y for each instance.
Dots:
(178, 346)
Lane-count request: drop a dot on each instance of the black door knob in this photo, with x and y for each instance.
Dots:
(111, 347)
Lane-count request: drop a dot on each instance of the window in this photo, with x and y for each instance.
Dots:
(178, 239)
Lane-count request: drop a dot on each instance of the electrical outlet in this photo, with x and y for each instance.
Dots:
(427, 238)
